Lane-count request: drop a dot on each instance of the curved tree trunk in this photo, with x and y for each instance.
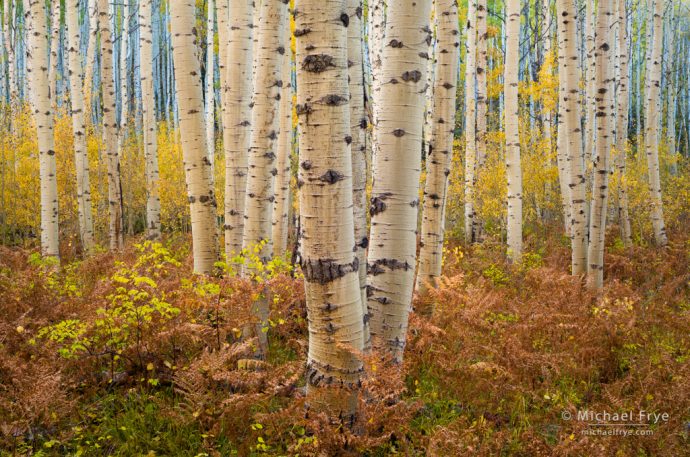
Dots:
(513, 166)
(570, 130)
(281, 206)
(440, 152)
(358, 129)
(334, 308)
(622, 122)
(653, 83)
(395, 193)
(110, 127)
(605, 124)
(236, 120)
(37, 61)
(81, 158)
(148, 111)
(202, 199)
(262, 167)
(470, 119)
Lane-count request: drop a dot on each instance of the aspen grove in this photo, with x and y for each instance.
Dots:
(344, 227)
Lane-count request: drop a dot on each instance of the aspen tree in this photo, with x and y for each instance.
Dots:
(590, 83)
(604, 140)
(481, 95)
(262, 157)
(110, 127)
(90, 56)
(202, 199)
(334, 309)
(396, 166)
(653, 84)
(37, 61)
(377, 30)
(546, 37)
(440, 153)
(210, 90)
(148, 112)
(470, 119)
(9, 13)
(54, 49)
(622, 121)
(514, 170)
(281, 206)
(236, 120)
(570, 130)
(358, 128)
(81, 159)
(124, 50)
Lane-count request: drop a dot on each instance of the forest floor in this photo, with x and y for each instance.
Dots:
(130, 354)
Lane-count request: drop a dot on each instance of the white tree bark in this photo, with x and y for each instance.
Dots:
(262, 157)
(604, 131)
(148, 111)
(334, 370)
(9, 13)
(470, 119)
(513, 166)
(236, 120)
(81, 159)
(90, 57)
(124, 50)
(653, 84)
(622, 122)
(440, 147)
(210, 89)
(54, 50)
(395, 192)
(358, 129)
(281, 206)
(570, 133)
(202, 199)
(37, 69)
(110, 131)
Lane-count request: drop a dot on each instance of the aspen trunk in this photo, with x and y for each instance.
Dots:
(470, 120)
(54, 49)
(210, 90)
(395, 192)
(262, 157)
(90, 57)
(236, 120)
(513, 167)
(653, 83)
(604, 128)
(334, 370)
(481, 94)
(110, 127)
(81, 159)
(546, 37)
(202, 199)
(9, 13)
(622, 122)
(124, 49)
(358, 129)
(279, 219)
(440, 153)
(377, 30)
(37, 61)
(570, 130)
(148, 112)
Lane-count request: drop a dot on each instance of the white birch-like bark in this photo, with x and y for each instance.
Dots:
(237, 125)
(513, 166)
(358, 129)
(377, 31)
(37, 69)
(470, 119)
(148, 113)
(653, 83)
(9, 13)
(281, 206)
(210, 97)
(124, 79)
(202, 199)
(54, 49)
(260, 193)
(81, 159)
(110, 132)
(396, 167)
(334, 309)
(570, 133)
(90, 58)
(440, 152)
(622, 122)
(481, 94)
(604, 131)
